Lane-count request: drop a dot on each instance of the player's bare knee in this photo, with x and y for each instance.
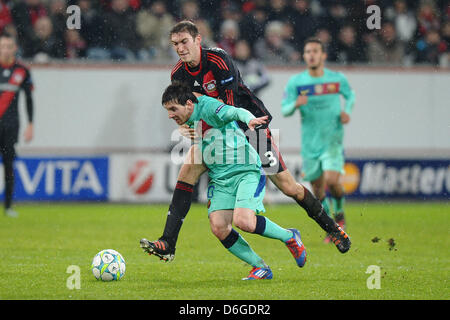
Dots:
(244, 222)
(244, 226)
(220, 231)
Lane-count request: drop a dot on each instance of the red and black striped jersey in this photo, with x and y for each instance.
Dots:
(217, 76)
(13, 79)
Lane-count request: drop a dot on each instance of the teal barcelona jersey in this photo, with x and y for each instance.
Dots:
(321, 127)
(225, 149)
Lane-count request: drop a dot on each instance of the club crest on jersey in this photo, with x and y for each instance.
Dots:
(332, 87)
(210, 86)
(18, 76)
(318, 88)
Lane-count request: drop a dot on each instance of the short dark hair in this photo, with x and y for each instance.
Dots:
(8, 36)
(178, 92)
(314, 40)
(185, 26)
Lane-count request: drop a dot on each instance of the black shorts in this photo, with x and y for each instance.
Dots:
(271, 158)
(8, 140)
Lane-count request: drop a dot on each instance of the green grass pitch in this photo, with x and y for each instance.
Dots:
(407, 241)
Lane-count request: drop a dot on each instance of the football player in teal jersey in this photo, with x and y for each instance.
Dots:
(237, 185)
(316, 94)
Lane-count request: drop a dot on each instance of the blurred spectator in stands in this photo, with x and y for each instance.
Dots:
(288, 33)
(253, 24)
(335, 18)
(229, 35)
(230, 11)
(273, 49)
(430, 48)
(93, 30)
(75, 44)
(46, 47)
(25, 14)
(120, 25)
(405, 24)
(385, 47)
(348, 47)
(427, 17)
(445, 31)
(5, 15)
(189, 10)
(58, 16)
(153, 24)
(303, 21)
(405, 21)
(446, 10)
(135, 5)
(209, 11)
(278, 10)
(206, 33)
(325, 36)
(252, 71)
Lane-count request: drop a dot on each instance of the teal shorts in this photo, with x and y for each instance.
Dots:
(244, 191)
(330, 160)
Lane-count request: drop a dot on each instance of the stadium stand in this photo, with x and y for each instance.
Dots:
(412, 32)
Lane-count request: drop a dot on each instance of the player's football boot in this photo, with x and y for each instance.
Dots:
(341, 239)
(327, 238)
(340, 220)
(297, 248)
(159, 248)
(11, 213)
(259, 274)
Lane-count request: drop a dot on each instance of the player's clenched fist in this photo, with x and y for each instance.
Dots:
(345, 117)
(257, 121)
(187, 132)
(301, 100)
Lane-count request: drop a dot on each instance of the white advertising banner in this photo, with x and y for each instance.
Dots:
(151, 178)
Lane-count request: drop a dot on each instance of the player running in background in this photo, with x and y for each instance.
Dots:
(212, 72)
(237, 183)
(13, 78)
(316, 93)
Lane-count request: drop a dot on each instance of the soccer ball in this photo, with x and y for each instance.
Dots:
(108, 265)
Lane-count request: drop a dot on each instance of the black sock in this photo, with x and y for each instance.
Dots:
(178, 209)
(230, 239)
(260, 225)
(315, 210)
(9, 181)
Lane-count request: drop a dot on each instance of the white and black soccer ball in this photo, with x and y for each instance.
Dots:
(108, 265)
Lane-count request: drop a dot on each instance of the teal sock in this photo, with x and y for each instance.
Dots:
(269, 229)
(242, 250)
(326, 206)
(338, 204)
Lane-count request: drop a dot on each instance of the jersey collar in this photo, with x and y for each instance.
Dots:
(9, 65)
(194, 73)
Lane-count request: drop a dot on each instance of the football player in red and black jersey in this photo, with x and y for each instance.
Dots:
(14, 77)
(212, 72)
